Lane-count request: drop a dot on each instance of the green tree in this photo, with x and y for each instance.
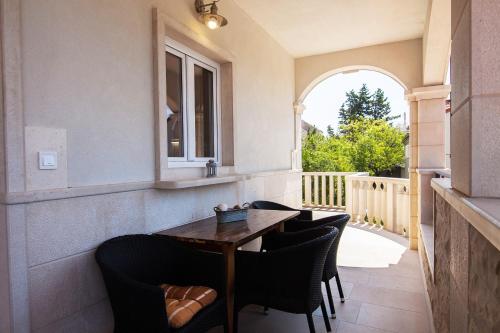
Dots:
(375, 146)
(363, 104)
(330, 130)
(380, 107)
(320, 153)
(369, 145)
(356, 106)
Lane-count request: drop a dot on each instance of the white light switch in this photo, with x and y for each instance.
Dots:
(47, 160)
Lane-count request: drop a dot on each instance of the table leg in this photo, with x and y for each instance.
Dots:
(229, 252)
(281, 227)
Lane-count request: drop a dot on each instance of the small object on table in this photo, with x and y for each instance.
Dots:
(211, 168)
(222, 207)
(234, 214)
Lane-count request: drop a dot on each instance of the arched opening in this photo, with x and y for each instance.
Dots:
(376, 202)
(323, 101)
(347, 69)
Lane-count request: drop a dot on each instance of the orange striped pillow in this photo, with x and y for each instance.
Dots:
(183, 303)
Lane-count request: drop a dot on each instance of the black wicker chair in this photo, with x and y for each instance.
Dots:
(331, 270)
(274, 240)
(286, 279)
(303, 222)
(134, 266)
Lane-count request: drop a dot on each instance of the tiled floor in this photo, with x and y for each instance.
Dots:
(382, 283)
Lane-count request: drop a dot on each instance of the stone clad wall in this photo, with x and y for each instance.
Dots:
(64, 288)
(465, 288)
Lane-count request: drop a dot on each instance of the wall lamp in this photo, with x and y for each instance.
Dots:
(209, 16)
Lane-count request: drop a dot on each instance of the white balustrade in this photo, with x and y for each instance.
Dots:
(382, 200)
(325, 189)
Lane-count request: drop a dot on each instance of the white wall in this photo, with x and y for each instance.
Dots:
(87, 69)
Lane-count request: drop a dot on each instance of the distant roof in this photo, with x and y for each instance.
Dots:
(306, 126)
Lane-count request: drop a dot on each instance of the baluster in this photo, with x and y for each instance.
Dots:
(316, 191)
(349, 197)
(363, 189)
(391, 213)
(323, 190)
(331, 187)
(339, 191)
(383, 202)
(376, 200)
(354, 184)
(370, 194)
(307, 190)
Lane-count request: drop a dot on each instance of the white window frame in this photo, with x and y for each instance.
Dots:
(182, 56)
(191, 58)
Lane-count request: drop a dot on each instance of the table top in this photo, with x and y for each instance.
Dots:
(208, 231)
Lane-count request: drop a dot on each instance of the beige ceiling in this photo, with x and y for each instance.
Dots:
(307, 27)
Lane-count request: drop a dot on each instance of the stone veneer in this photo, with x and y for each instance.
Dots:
(56, 283)
(464, 289)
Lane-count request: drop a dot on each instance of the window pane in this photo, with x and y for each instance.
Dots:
(204, 112)
(175, 121)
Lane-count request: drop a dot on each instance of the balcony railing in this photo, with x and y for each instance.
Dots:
(380, 201)
(325, 189)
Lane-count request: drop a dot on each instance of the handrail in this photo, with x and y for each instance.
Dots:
(403, 181)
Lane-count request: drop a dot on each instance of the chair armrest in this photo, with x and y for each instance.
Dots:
(334, 220)
(137, 307)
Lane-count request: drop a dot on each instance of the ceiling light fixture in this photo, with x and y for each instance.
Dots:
(210, 17)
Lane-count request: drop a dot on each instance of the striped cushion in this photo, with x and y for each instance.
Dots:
(183, 303)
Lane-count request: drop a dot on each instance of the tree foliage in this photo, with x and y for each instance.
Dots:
(372, 146)
(375, 146)
(366, 141)
(363, 104)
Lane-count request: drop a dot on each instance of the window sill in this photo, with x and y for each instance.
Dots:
(197, 182)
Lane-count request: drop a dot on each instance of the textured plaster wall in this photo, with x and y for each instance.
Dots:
(465, 287)
(87, 68)
(401, 60)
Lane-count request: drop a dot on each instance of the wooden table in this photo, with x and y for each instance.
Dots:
(226, 238)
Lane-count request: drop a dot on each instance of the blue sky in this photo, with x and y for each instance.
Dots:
(324, 101)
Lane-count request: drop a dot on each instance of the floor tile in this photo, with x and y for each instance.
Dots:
(397, 282)
(346, 288)
(252, 321)
(392, 320)
(345, 327)
(399, 299)
(389, 298)
(354, 275)
(347, 311)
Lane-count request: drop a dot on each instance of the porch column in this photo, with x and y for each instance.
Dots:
(475, 116)
(297, 152)
(427, 144)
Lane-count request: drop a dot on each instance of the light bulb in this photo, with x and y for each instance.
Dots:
(212, 23)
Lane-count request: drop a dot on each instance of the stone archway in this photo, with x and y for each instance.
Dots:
(346, 69)
(427, 105)
(299, 106)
